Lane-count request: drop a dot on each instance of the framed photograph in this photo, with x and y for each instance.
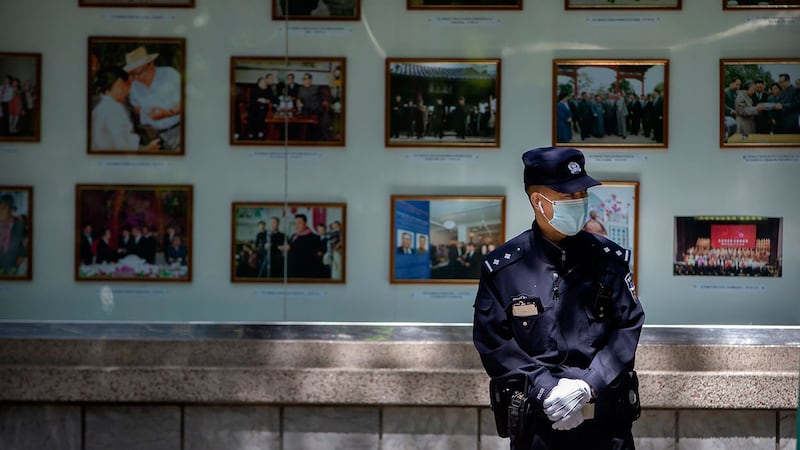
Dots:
(610, 103)
(447, 103)
(623, 4)
(759, 103)
(728, 246)
(136, 96)
(16, 233)
(138, 3)
(464, 4)
(20, 95)
(614, 214)
(296, 243)
(760, 4)
(443, 239)
(133, 232)
(294, 101)
(316, 10)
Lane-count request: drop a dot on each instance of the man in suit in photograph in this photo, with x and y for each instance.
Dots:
(789, 105)
(87, 257)
(405, 244)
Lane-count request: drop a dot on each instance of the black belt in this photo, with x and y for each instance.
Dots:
(170, 128)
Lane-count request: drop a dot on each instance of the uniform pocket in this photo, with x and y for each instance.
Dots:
(483, 303)
(533, 332)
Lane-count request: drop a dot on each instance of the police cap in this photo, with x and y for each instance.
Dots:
(559, 168)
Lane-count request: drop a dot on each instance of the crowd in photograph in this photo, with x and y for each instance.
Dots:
(601, 115)
(309, 252)
(18, 100)
(139, 241)
(702, 259)
(459, 260)
(417, 118)
(752, 107)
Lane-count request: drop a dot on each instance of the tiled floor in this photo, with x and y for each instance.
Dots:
(250, 427)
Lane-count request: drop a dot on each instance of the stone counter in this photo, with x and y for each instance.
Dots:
(372, 368)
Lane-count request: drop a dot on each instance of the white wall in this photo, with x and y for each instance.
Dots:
(693, 176)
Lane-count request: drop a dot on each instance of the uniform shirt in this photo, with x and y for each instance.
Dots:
(567, 338)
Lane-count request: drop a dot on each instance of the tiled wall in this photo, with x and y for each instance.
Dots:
(234, 427)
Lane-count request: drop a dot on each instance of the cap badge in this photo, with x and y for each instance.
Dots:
(574, 168)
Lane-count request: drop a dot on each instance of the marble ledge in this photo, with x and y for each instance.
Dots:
(361, 373)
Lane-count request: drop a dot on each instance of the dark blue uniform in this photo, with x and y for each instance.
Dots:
(550, 312)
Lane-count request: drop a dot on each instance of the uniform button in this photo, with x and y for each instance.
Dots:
(525, 323)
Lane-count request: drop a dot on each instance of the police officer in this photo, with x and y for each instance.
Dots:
(557, 319)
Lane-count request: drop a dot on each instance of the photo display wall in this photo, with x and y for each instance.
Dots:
(357, 161)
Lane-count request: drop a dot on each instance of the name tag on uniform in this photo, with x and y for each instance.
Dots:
(523, 310)
(588, 411)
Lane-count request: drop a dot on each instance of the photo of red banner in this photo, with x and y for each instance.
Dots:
(733, 236)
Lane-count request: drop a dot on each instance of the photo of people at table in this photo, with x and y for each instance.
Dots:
(444, 239)
(740, 246)
(301, 103)
(466, 4)
(601, 4)
(761, 103)
(316, 9)
(134, 233)
(760, 4)
(136, 95)
(302, 243)
(610, 103)
(442, 103)
(19, 96)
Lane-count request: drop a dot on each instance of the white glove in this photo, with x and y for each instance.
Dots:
(570, 421)
(569, 395)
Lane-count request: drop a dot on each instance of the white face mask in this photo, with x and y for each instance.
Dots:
(569, 216)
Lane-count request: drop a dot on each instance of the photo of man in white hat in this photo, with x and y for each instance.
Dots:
(136, 95)
(155, 96)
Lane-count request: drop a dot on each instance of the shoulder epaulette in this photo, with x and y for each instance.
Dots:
(609, 249)
(507, 253)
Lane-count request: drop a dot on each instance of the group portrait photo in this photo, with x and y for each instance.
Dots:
(741, 246)
(759, 103)
(760, 4)
(602, 103)
(20, 90)
(133, 232)
(443, 239)
(295, 101)
(433, 102)
(136, 96)
(293, 243)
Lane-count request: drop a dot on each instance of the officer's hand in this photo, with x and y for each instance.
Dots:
(568, 395)
(570, 421)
